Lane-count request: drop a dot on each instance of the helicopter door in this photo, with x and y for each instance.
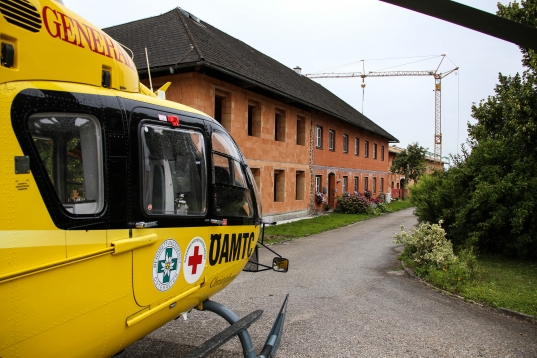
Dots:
(173, 176)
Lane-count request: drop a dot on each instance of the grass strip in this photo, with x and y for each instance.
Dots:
(321, 223)
(504, 282)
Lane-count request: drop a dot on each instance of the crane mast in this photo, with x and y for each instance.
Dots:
(437, 97)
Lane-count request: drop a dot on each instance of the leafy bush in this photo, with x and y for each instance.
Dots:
(383, 208)
(432, 257)
(427, 245)
(352, 204)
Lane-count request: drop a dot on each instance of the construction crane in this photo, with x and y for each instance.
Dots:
(437, 98)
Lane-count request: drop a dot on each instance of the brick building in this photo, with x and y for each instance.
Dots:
(297, 136)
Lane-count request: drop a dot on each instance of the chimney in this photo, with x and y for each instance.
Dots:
(298, 70)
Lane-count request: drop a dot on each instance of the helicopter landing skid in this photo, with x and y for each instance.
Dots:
(239, 328)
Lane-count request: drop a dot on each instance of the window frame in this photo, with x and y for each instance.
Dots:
(331, 140)
(319, 136)
(356, 146)
(366, 149)
(345, 143)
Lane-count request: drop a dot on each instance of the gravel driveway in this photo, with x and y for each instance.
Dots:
(348, 298)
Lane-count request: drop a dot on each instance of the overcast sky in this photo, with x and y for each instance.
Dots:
(321, 36)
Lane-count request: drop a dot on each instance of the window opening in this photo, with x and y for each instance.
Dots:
(331, 139)
(254, 119)
(279, 185)
(222, 109)
(218, 108)
(279, 126)
(300, 185)
(345, 143)
(300, 130)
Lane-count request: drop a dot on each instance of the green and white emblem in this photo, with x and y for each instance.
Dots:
(166, 265)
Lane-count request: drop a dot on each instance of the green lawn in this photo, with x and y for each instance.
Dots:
(320, 224)
(506, 283)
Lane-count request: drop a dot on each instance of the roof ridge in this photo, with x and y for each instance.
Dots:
(193, 44)
(134, 21)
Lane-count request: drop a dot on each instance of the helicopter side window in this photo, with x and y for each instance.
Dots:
(232, 195)
(173, 171)
(70, 148)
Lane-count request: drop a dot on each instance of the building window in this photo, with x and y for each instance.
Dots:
(375, 185)
(356, 146)
(355, 184)
(279, 185)
(254, 119)
(374, 150)
(300, 130)
(318, 183)
(222, 109)
(331, 139)
(300, 185)
(345, 143)
(366, 149)
(218, 106)
(366, 183)
(279, 126)
(382, 185)
(319, 137)
(345, 185)
(382, 153)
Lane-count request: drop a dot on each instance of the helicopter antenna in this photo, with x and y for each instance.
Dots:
(148, 70)
(126, 48)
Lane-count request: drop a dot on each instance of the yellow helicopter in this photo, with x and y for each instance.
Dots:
(120, 210)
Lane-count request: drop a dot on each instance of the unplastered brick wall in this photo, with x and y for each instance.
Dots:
(347, 164)
(288, 147)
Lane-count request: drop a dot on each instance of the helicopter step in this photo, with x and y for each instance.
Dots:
(239, 328)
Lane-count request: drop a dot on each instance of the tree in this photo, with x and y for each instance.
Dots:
(410, 162)
(492, 191)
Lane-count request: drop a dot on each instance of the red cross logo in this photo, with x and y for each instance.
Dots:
(195, 260)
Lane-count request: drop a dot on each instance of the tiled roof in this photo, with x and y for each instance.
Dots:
(178, 39)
